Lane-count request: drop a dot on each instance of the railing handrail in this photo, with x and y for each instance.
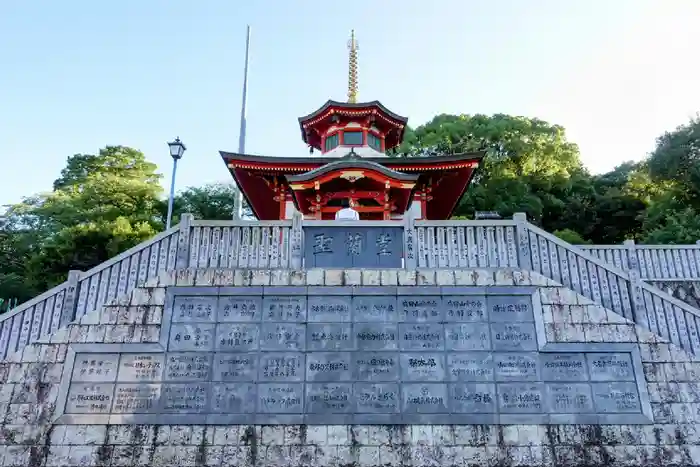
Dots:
(240, 223)
(669, 298)
(30, 303)
(467, 223)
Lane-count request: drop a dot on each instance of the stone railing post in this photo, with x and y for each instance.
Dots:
(638, 306)
(296, 240)
(521, 232)
(71, 299)
(409, 241)
(182, 260)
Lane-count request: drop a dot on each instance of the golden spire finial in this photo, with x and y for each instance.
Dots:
(352, 72)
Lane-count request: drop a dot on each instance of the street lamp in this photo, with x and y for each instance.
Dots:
(177, 149)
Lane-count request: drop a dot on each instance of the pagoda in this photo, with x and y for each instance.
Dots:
(353, 139)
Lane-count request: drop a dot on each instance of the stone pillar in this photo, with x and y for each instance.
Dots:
(182, 260)
(523, 241)
(71, 298)
(409, 240)
(636, 295)
(296, 241)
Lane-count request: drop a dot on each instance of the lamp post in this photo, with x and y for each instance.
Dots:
(177, 149)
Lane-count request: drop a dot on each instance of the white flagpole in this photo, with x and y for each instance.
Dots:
(238, 207)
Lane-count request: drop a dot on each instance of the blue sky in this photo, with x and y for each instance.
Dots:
(78, 75)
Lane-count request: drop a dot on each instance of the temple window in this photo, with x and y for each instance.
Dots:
(374, 142)
(331, 142)
(352, 138)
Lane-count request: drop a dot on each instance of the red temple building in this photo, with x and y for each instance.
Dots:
(353, 139)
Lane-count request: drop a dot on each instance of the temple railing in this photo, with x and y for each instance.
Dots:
(652, 262)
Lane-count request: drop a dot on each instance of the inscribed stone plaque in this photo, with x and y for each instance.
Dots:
(473, 398)
(516, 336)
(422, 367)
(96, 367)
(428, 336)
(141, 367)
(329, 308)
(520, 398)
(377, 398)
(610, 366)
(280, 398)
(185, 398)
(235, 367)
(280, 366)
(284, 308)
(376, 366)
(324, 398)
(237, 337)
(241, 308)
(376, 336)
(375, 308)
(328, 366)
(563, 367)
(424, 398)
(471, 336)
(509, 308)
(616, 397)
(194, 309)
(511, 366)
(89, 398)
(136, 398)
(569, 398)
(233, 398)
(470, 366)
(188, 367)
(467, 308)
(283, 336)
(329, 336)
(420, 308)
(191, 337)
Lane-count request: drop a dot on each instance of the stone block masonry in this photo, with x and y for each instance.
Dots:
(36, 429)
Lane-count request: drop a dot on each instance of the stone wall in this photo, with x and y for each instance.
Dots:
(688, 291)
(31, 382)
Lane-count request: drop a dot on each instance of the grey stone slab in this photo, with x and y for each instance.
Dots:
(95, 367)
(569, 398)
(472, 398)
(467, 336)
(419, 290)
(375, 308)
(284, 290)
(281, 366)
(194, 309)
(285, 308)
(281, 398)
(424, 398)
(322, 290)
(470, 366)
(522, 419)
(235, 366)
(89, 398)
(237, 337)
(256, 290)
(328, 398)
(574, 419)
(141, 367)
(376, 336)
(322, 336)
(474, 418)
(421, 308)
(461, 290)
(377, 398)
(513, 336)
(329, 309)
(136, 398)
(376, 419)
(188, 398)
(422, 366)
(464, 308)
(329, 366)
(328, 418)
(191, 337)
(509, 308)
(376, 366)
(176, 291)
(283, 336)
(426, 418)
(240, 308)
(564, 367)
(521, 398)
(190, 366)
(610, 367)
(233, 398)
(616, 397)
(231, 418)
(516, 366)
(424, 336)
(377, 291)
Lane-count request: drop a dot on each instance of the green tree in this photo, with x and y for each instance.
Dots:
(214, 201)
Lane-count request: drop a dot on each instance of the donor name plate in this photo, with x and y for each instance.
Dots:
(352, 355)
